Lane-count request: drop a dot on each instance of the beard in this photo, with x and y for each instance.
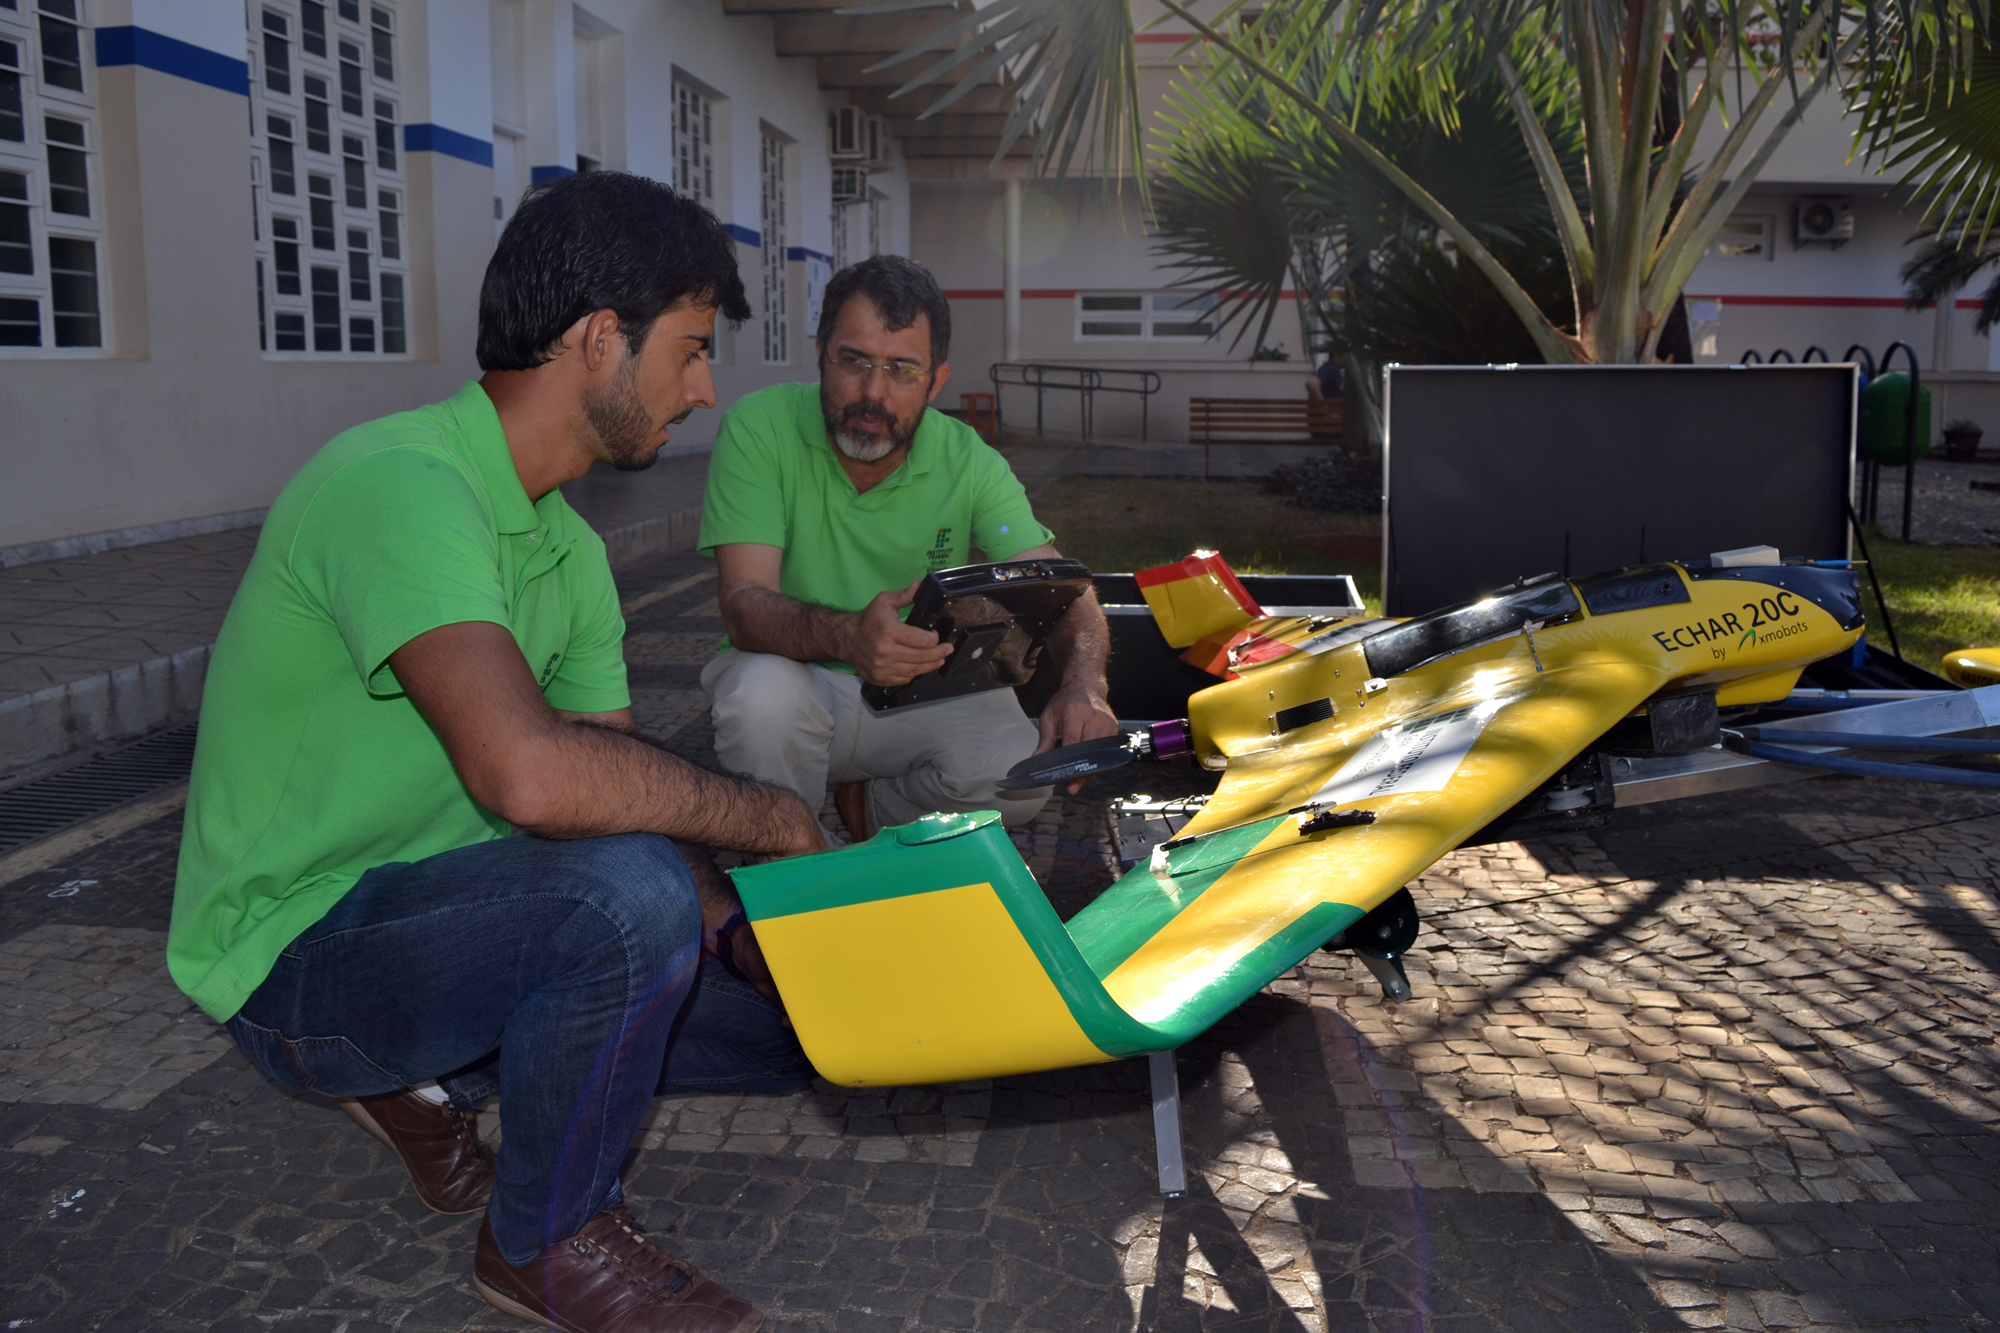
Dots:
(895, 433)
(630, 439)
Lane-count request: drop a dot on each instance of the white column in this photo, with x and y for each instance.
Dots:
(1010, 271)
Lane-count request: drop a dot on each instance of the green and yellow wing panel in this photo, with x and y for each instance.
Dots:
(929, 954)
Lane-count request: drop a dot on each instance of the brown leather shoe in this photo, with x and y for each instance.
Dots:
(851, 800)
(608, 1278)
(438, 1145)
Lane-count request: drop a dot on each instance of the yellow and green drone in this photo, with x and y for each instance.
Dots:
(1353, 754)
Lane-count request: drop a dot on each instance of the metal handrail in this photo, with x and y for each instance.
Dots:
(1085, 381)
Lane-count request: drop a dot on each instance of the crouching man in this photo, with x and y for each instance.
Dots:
(425, 658)
(826, 505)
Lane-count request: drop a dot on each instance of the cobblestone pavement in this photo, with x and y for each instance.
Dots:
(1726, 1063)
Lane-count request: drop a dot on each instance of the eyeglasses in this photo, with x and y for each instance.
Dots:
(903, 374)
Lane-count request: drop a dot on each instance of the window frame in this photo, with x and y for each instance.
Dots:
(29, 158)
(302, 324)
(1154, 308)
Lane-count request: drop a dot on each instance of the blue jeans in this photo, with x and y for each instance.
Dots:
(565, 975)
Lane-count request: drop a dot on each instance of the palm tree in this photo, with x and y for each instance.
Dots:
(1250, 199)
(1648, 211)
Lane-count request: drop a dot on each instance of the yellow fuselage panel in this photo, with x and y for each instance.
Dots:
(925, 988)
(1973, 667)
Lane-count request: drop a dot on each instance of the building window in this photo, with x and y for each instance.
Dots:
(20, 322)
(263, 337)
(322, 211)
(62, 45)
(392, 228)
(73, 291)
(319, 118)
(1148, 316)
(771, 197)
(359, 285)
(17, 236)
(326, 309)
(51, 282)
(350, 78)
(336, 268)
(354, 169)
(1744, 238)
(382, 44)
(394, 340)
(694, 144)
(13, 126)
(285, 253)
(385, 134)
(69, 167)
(284, 163)
(277, 53)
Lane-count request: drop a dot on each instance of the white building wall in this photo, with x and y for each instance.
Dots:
(180, 423)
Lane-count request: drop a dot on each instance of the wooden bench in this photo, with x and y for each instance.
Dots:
(1263, 421)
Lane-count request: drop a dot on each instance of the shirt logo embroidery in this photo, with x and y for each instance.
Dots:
(549, 671)
(940, 553)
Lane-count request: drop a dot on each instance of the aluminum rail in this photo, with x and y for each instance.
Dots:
(1643, 780)
(1084, 381)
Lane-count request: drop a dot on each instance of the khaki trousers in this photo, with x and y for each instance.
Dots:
(801, 725)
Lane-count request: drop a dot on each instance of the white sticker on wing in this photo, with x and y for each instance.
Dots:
(1416, 756)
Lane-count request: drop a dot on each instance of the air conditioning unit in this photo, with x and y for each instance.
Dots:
(847, 130)
(1822, 221)
(850, 184)
(875, 141)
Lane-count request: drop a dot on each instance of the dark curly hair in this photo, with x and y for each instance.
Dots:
(901, 289)
(601, 240)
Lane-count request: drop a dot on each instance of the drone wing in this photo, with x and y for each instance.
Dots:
(1435, 755)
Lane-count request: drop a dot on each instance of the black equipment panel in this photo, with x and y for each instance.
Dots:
(1493, 471)
(997, 618)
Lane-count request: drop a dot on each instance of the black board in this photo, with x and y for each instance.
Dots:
(1496, 472)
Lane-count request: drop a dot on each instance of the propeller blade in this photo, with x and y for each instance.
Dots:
(1070, 762)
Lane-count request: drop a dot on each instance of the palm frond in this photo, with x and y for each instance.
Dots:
(1943, 130)
(1070, 65)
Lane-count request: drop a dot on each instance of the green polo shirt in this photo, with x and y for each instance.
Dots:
(312, 765)
(775, 480)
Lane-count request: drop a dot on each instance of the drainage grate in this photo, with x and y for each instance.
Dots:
(48, 805)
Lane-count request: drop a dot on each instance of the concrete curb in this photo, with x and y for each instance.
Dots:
(672, 531)
(83, 714)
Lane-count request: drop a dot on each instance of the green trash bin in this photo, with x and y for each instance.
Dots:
(1885, 420)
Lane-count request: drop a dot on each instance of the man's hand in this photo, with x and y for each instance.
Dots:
(1076, 712)
(885, 651)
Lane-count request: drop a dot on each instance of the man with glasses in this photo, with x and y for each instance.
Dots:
(824, 512)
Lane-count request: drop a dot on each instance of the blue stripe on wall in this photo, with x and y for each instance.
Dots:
(798, 254)
(743, 234)
(543, 175)
(438, 139)
(169, 55)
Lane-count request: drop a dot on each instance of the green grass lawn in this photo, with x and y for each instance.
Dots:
(1942, 597)
(1126, 523)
